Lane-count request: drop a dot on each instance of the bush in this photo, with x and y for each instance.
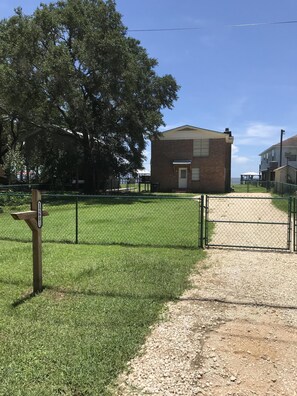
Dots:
(14, 199)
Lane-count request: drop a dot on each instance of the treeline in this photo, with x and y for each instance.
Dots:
(78, 96)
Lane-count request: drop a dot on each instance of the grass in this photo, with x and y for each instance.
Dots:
(243, 188)
(99, 301)
(281, 203)
(130, 221)
(95, 311)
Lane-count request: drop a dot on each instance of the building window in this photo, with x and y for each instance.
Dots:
(290, 157)
(183, 173)
(272, 155)
(201, 147)
(195, 174)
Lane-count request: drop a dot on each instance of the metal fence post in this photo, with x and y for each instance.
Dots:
(201, 236)
(295, 215)
(76, 221)
(294, 224)
(290, 207)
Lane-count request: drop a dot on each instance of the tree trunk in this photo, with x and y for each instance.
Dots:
(89, 171)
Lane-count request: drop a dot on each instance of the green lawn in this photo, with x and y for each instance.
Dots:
(130, 221)
(243, 188)
(96, 308)
(283, 203)
(99, 301)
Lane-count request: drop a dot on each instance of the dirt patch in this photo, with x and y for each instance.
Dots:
(233, 333)
(250, 358)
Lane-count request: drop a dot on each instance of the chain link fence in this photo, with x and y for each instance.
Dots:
(280, 188)
(112, 186)
(130, 220)
(250, 222)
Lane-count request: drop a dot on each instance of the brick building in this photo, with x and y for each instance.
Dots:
(191, 159)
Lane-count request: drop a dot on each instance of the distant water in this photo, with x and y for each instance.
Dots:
(235, 180)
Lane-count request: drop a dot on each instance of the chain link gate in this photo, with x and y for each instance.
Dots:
(295, 224)
(249, 222)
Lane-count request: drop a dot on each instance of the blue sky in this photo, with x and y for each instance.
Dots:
(243, 78)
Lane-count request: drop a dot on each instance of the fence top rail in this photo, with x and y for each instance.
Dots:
(80, 196)
(245, 197)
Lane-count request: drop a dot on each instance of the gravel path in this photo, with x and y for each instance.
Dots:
(248, 208)
(233, 333)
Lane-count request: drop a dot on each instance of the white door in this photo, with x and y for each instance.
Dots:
(182, 178)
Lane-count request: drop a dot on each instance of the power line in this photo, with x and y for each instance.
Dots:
(241, 25)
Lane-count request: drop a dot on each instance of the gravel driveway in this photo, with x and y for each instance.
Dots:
(233, 333)
(256, 212)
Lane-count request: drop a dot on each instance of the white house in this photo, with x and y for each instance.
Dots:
(272, 158)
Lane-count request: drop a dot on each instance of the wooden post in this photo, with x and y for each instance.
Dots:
(37, 245)
(34, 220)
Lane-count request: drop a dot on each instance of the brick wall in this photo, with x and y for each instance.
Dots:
(214, 169)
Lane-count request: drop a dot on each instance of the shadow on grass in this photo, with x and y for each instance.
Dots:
(111, 294)
(127, 200)
(23, 299)
(141, 245)
(87, 293)
(160, 298)
(122, 244)
(100, 200)
(91, 293)
(16, 239)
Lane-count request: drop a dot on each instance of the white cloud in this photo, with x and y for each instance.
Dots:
(249, 142)
(262, 130)
(259, 134)
(238, 159)
(235, 150)
(253, 139)
(241, 160)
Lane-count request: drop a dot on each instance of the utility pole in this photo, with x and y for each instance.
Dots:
(281, 147)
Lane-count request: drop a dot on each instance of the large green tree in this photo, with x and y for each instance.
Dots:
(71, 68)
